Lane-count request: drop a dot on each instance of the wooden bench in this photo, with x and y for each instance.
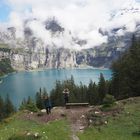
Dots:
(73, 105)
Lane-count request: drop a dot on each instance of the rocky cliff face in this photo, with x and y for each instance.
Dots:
(30, 52)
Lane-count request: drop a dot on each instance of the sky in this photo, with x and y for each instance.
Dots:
(4, 11)
(83, 18)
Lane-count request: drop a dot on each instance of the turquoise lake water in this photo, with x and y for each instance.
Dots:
(23, 84)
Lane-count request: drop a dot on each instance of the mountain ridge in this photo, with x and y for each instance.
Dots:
(59, 48)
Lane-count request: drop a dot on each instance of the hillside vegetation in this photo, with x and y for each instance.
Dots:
(123, 126)
(20, 129)
(5, 66)
(5, 63)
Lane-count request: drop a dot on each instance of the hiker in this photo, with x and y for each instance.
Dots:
(47, 104)
(66, 95)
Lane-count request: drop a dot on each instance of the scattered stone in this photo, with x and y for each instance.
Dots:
(31, 113)
(55, 107)
(28, 134)
(90, 121)
(117, 103)
(43, 110)
(96, 112)
(83, 116)
(36, 134)
(106, 122)
(81, 128)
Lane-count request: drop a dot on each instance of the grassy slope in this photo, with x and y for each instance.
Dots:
(120, 128)
(57, 130)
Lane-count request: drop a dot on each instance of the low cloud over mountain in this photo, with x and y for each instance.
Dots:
(76, 24)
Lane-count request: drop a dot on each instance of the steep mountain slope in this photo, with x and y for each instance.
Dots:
(53, 46)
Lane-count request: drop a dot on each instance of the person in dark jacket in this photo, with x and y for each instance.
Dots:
(66, 95)
(47, 104)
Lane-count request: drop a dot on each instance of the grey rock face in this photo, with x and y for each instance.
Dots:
(53, 26)
(30, 52)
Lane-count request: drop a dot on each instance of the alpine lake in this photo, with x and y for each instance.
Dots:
(23, 84)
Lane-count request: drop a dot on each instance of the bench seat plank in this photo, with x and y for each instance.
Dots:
(71, 105)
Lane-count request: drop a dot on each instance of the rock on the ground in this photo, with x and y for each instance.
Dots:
(43, 110)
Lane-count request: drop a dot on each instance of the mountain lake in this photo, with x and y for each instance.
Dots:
(23, 84)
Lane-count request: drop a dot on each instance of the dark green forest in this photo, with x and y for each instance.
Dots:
(5, 66)
(126, 72)
(6, 108)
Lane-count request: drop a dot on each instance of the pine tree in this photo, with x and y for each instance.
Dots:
(56, 94)
(1, 108)
(44, 93)
(101, 88)
(29, 100)
(91, 92)
(39, 100)
(23, 104)
(8, 106)
(134, 67)
(126, 72)
(31, 106)
(95, 95)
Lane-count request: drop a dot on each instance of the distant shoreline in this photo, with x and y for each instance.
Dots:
(44, 69)
(38, 70)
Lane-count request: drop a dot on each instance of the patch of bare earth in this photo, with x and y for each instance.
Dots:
(75, 116)
(77, 119)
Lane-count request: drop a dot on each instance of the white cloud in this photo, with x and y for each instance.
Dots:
(39, 31)
(17, 21)
(82, 17)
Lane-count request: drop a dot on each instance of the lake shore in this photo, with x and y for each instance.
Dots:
(45, 69)
(73, 68)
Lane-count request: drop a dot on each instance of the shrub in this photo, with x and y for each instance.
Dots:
(28, 105)
(136, 133)
(31, 107)
(95, 119)
(108, 103)
(108, 100)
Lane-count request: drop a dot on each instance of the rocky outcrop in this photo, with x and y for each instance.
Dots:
(31, 52)
(43, 58)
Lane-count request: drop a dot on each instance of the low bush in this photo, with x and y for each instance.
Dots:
(108, 100)
(136, 133)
